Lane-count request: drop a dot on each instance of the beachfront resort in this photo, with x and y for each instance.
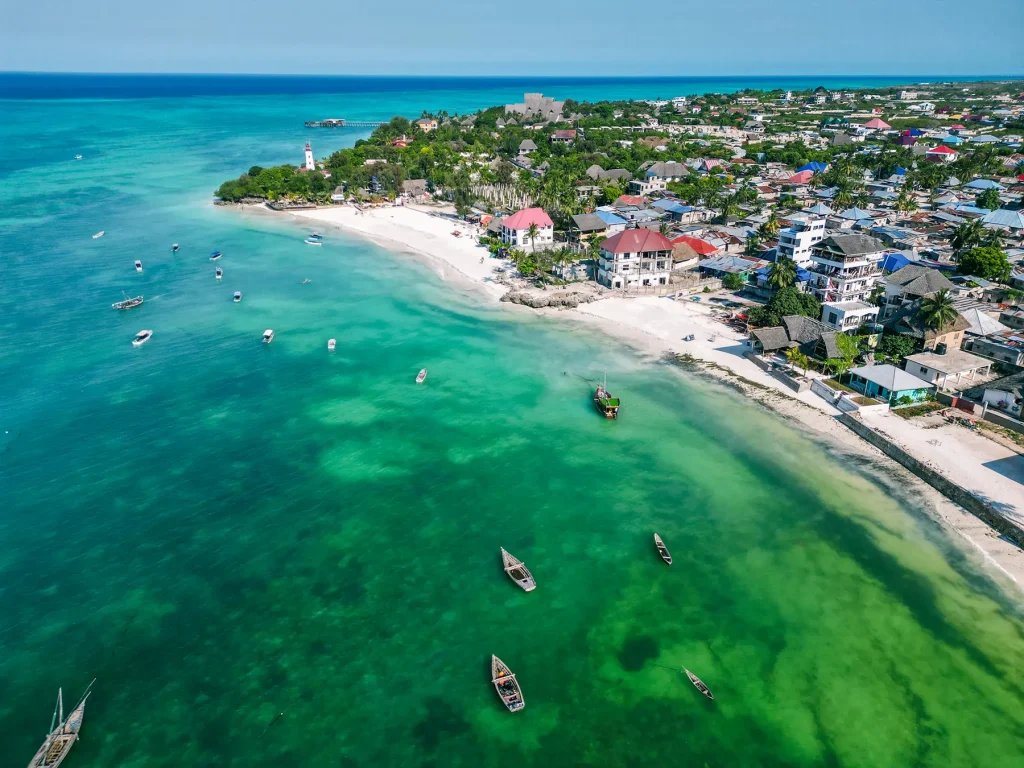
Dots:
(859, 251)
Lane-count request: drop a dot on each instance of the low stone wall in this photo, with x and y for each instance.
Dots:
(995, 417)
(955, 493)
(819, 387)
(759, 361)
(797, 385)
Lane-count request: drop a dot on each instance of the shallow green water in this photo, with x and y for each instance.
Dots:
(220, 531)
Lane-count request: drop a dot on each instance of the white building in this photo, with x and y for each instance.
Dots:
(635, 258)
(795, 242)
(848, 316)
(310, 163)
(515, 229)
(846, 268)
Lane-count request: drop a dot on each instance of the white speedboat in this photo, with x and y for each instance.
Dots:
(331, 343)
(138, 265)
(315, 239)
(238, 296)
(141, 338)
(98, 235)
(174, 248)
(421, 376)
(215, 255)
(219, 273)
(78, 157)
(268, 336)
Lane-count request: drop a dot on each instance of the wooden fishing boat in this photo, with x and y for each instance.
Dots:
(662, 549)
(506, 685)
(127, 303)
(421, 376)
(698, 683)
(517, 571)
(331, 344)
(61, 738)
(606, 405)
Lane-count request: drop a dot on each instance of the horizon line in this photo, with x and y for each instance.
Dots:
(945, 76)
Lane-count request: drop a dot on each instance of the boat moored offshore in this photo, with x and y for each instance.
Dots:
(662, 549)
(315, 239)
(219, 273)
(127, 303)
(174, 248)
(421, 376)
(215, 255)
(238, 296)
(268, 336)
(61, 738)
(98, 235)
(606, 405)
(331, 343)
(138, 265)
(506, 685)
(141, 338)
(517, 571)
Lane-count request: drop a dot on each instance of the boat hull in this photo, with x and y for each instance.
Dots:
(506, 685)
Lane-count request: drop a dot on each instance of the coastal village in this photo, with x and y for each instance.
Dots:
(858, 252)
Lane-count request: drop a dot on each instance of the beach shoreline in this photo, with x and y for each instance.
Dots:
(655, 326)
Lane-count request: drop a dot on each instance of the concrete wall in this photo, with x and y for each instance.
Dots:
(995, 417)
(796, 385)
(955, 493)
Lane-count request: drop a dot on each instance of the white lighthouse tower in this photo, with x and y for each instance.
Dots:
(310, 164)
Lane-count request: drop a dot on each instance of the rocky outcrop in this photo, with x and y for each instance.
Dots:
(562, 300)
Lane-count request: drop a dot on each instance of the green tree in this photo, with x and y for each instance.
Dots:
(895, 346)
(798, 359)
(988, 199)
(967, 235)
(906, 203)
(782, 274)
(938, 311)
(532, 232)
(733, 282)
(986, 261)
(784, 302)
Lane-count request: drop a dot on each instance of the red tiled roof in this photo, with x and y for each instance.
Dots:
(565, 134)
(800, 178)
(702, 247)
(524, 218)
(637, 240)
(940, 150)
(630, 199)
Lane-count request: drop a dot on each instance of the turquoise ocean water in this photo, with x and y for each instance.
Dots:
(220, 531)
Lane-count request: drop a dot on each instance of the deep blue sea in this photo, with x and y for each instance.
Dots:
(277, 556)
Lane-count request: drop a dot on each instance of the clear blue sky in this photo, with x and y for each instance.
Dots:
(520, 37)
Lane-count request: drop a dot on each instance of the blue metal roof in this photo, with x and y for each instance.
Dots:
(609, 218)
(984, 184)
(814, 166)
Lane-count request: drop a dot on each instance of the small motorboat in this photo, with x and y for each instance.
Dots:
(141, 338)
(219, 273)
(517, 571)
(331, 344)
(307, 280)
(604, 402)
(127, 303)
(98, 235)
(238, 296)
(421, 376)
(138, 265)
(698, 684)
(506, 685)
(174, 248)
(662, 549)
(268, 336)
(315, 239)
(215, 255)
(78, 157)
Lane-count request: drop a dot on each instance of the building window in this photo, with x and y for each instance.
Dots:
(923, 369)
(832, 318)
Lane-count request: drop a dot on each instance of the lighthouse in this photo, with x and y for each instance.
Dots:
(310, 165)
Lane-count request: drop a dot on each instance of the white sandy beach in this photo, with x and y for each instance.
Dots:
(658, 325)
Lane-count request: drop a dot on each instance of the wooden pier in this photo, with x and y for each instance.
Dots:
(340, 122)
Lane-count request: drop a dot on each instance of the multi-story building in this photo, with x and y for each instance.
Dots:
(845, 268)
(911, 283)
(515, 230)
(795, 242)
(635, 258)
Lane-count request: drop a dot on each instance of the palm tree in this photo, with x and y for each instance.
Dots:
(967, 235)
(782, 274)
(938, 310)
(532, 232)
(997, 239)
(772, 225)
(664, 228)
(798, 359)
(906, 202)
